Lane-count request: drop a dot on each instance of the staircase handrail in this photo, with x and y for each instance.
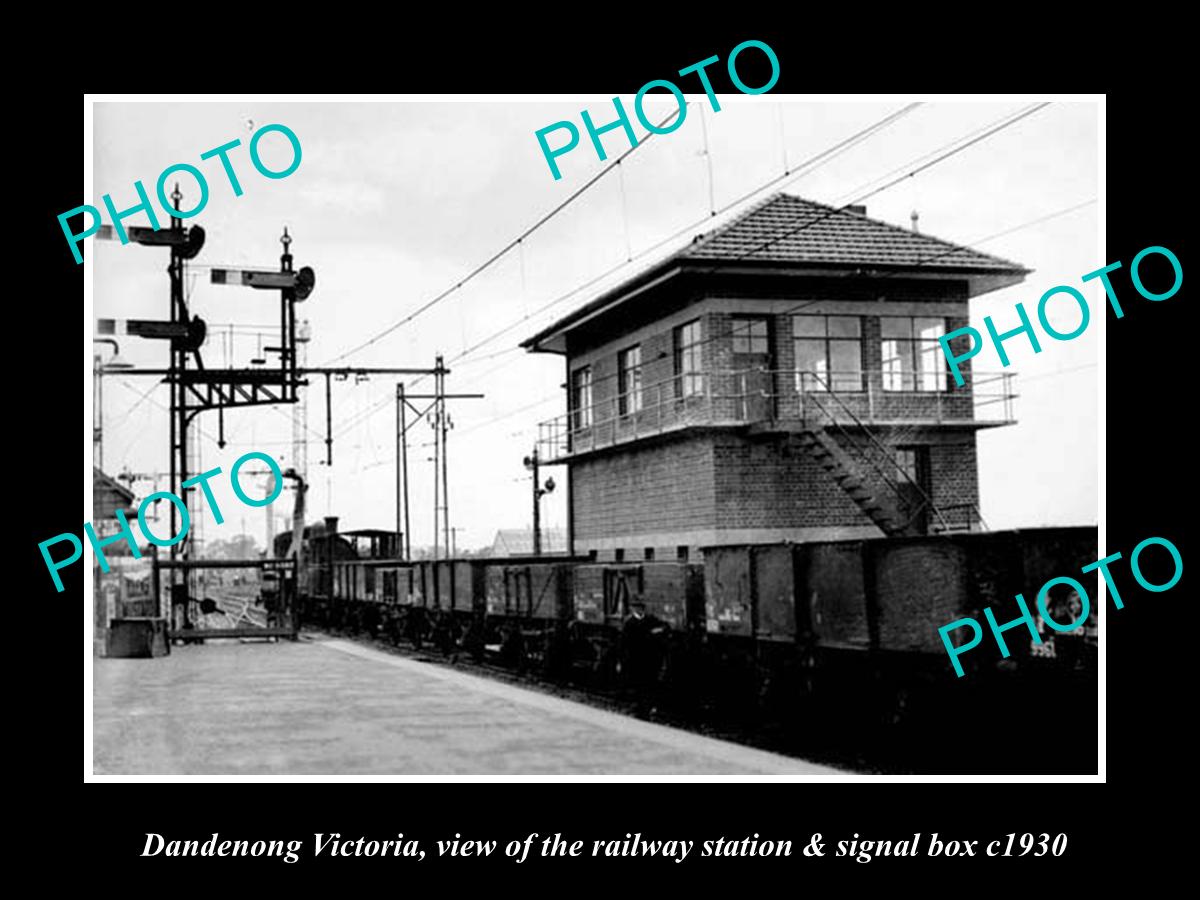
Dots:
(876, 442)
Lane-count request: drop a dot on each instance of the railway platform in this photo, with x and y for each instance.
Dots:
(323, 706)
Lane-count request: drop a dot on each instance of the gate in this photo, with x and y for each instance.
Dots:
(229, 598)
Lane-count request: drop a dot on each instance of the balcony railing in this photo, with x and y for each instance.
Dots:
(776, 398)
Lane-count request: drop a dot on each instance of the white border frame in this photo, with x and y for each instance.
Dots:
(90, 100)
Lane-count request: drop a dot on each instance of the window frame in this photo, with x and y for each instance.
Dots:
(689, 382)
(914, 349)
(829, 341)
(750, 318)
(580, 413)
(905, 453)
(629, 398)
(921, 473)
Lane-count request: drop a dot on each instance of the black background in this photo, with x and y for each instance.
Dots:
(102, 827)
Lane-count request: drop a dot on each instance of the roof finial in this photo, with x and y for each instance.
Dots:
(915, 217)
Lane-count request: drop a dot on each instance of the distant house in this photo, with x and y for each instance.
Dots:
(519, 541)
(780, 378)
(125, 588)
(108, 496)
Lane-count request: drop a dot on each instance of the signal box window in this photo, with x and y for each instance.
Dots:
(629, 380)
(751, 335)
(829, 347)
(912, 357)
(581, 398)
(689, 381)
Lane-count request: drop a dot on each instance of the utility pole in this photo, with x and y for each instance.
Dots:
(300, 409)
(440, 422)
(444, 425)
(436, 478)
(270, 490)
(537, 506)
(98, 371)
(403, 536)
(441, 481)
(297, 543)
(97, 413)
(532, 462)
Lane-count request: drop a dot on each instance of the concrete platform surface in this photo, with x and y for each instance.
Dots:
(332, 707)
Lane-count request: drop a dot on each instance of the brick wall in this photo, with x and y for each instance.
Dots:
(953, 466)
(697, 487)
(767, 484)
(660, 489)
(725, 487)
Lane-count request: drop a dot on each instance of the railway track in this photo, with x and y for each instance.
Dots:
(221, 609)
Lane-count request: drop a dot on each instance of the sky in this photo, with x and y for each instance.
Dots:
(395, 202)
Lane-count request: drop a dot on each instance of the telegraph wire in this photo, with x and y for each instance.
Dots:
(808, 166)
(962, 143)
(511, 244)
(920, 164)
(982, 240)
(834, 210)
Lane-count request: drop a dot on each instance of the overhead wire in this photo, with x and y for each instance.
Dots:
(957, 248)
(511, 244)
(918, 164)
(808, 166)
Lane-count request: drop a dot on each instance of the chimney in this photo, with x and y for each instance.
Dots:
(861, 210)
(331, 524)
(915, 217)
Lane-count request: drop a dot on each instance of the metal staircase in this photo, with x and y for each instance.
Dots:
(884, 511)
(826, 440)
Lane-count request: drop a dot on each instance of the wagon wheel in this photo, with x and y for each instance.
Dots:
(447, 635)
(473, 641)
(395, 627)
(415, 628)
(608, 664)
(512, 649)
(371, 620)
(557, 653)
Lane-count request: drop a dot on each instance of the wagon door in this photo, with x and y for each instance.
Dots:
(774, 593)
(518, 590)
(622, 585)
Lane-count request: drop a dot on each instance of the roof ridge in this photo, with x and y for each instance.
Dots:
(706, 236)
(807, 203)
(908, 232)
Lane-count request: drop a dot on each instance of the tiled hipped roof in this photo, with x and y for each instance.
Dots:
(786, 233)
(790, 229)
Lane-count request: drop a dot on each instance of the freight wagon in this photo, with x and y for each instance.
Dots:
(794, 630)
